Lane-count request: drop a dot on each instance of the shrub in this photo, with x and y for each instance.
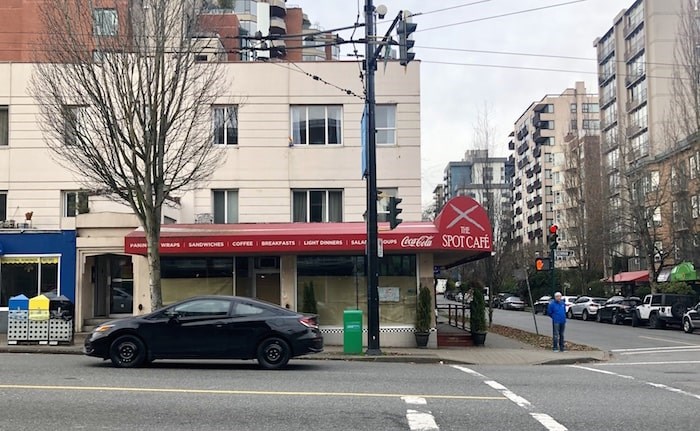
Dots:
(309, 301)
(678, 287)
(477, 315)
(423, 311)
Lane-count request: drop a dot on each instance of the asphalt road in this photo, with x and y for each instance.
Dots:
(66, 392)
(603, 336)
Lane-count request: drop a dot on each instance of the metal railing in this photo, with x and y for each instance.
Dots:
(457, 315)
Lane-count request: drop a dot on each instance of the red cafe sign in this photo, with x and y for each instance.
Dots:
(461, 226)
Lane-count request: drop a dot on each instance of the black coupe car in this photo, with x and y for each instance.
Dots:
(208, 327)
(617, 310)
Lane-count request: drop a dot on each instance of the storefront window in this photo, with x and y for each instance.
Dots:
(27, 276)
(185, 277)
(339, 283)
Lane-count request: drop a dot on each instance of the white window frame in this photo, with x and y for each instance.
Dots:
(392, 108)
(225, 126)
(78, 195)
(105, 22)
(292, 109)
(227, 193)
(326, 209)
(695, 206)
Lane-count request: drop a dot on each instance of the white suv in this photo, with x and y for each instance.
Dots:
(585, 307)
(691, 319)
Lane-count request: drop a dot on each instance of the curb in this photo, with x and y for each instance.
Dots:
(382, 358)
(51, 350)
(571, 361)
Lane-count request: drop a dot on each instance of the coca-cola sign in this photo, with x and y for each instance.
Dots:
(423, 241)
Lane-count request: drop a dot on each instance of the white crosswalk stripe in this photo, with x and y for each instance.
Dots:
(419, 420)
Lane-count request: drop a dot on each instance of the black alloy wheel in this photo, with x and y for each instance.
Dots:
(127, 351)
(654, 321)
(273, 353)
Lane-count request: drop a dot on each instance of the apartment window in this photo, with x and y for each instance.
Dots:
(548, 174)
(225, 206)
(656, 217)
(591, 124)
(548, 124)
(105, 22)
(317, 206)
(574, 124)
(225, 125)
(383, 203)
(74, 203)
(4, 126)
(316, 125)
(72, 121)
(590, 107)
(3, 205)
(694, 206)
(693, 161)
(548, 109)
(386, 124)
(674, 210)
(572, 108)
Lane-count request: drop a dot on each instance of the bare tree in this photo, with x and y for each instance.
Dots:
(125, 96)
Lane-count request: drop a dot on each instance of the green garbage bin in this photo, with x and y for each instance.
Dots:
(352, 331)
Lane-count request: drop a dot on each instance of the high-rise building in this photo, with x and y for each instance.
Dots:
(539, 156)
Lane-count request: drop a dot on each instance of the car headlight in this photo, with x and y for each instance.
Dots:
(102, 328)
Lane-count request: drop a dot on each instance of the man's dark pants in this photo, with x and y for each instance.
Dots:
(558, 336)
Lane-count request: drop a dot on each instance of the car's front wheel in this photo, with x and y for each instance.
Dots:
(584, 315)
(687, 326)
(570, 314)
(273, 353)
(127, 351)
(617, 319)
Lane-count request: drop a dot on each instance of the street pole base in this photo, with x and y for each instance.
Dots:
(373, 352)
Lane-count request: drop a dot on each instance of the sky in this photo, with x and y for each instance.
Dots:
(453, 95)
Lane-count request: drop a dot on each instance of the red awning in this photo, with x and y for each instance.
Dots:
(629, 277)
(461, 232)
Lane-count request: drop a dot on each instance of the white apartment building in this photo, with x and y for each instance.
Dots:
(538, 142)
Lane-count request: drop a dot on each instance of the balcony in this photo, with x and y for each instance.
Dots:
(537, 152)
(604, 52)
(537, 184)
(536, 120)
(519, 224)
(523, 162)
(633, 104)
(537, 168)
(538, 201)
(522, 148)
(538, 216)
(605, 78)
(530, 220)
(605, 125)
(511, 145)
(518, 196)
(634, 50)
(607, 99)
(538, 232)
(630, 80)
(278, 8)
(631, 27)
(634, 130)
(530, 189)
(522, 133)
(277, 25)
(518, 181)
(529, 173)
(530, 205)
(537, 136)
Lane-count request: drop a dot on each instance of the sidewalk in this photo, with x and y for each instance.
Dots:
(498, 350)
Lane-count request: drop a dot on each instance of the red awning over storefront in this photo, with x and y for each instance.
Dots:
(461, 232)
(629, 277)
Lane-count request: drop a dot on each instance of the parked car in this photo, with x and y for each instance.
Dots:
(661, 309)
(585, 307)
(459, 297)
(540, 306)
(513, 303)
(618, 309)
(208, 327)
(450, 294)
(691, 319)
(568, 302)
(498, 299)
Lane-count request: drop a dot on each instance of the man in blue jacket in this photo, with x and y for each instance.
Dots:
(557, 311)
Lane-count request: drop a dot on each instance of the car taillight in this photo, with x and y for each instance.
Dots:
(309, 322)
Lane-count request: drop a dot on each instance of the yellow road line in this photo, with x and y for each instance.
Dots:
(242, 392)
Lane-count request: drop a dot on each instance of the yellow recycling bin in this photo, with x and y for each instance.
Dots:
(39, 319)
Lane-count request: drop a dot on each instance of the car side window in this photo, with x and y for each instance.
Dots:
(203, 307)
(244, 309)
(656, 300)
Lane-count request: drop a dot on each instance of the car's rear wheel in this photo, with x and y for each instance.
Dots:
(570, 314)
(654, 321)
(273, 353)
(635, 320)
(598, 318)
(127, 351)
(617, 319)
(584, 315)
(687, 326)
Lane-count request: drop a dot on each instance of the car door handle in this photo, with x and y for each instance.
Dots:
(219, 324)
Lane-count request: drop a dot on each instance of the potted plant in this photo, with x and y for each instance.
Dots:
(309, 304)
(477, 314)
(423, 315)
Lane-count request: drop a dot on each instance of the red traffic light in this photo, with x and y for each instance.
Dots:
(553, 229)
(539, 264)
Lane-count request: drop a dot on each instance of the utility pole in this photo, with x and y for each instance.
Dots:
(372, 230)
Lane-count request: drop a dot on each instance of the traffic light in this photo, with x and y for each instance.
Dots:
(542, 264)
(553, 237)
(394, 212)
(405, 29)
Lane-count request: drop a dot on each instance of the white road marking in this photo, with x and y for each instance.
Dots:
(419, 421)
(595, 370)
(672, 389)
(547, 421)
(668, 341)
(520, 401)
(644, 349)
(415, 400)
(650, 352)
(655, 385)
(615, 364)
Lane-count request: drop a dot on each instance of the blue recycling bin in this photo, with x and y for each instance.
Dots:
(17, 319)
